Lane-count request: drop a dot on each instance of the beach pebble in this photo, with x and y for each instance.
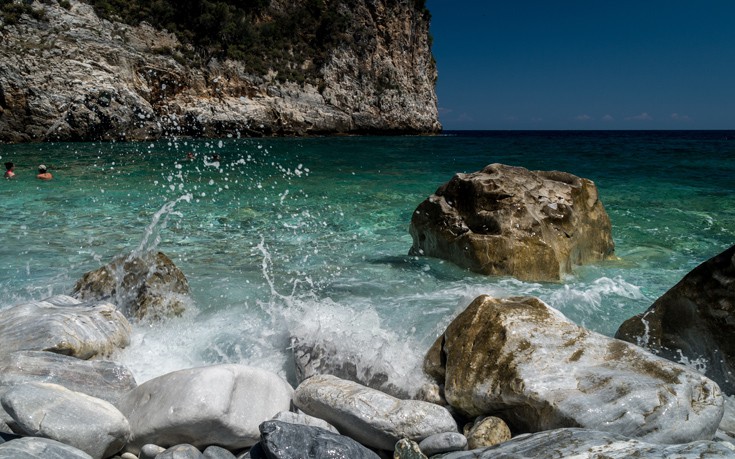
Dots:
(39, 448)
(128, 456)
(217, 452)
(63, 325)
(443, 443)
(488, 431)
(371, 417)
(407, 449)
(103, 379)
(526, 362)
(304, 419)
(150, 451)
(283, 440)
(182, 451)
(214, 405)
(52, 411)
(582, 443)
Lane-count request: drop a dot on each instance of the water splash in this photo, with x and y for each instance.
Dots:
(151, 236)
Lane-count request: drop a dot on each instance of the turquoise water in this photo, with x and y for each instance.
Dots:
(309, 236)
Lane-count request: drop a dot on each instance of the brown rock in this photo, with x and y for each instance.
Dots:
(694, 322)
(486, 432)
(148, 285)
(504, 220)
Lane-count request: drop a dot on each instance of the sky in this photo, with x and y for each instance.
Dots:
(594, 64)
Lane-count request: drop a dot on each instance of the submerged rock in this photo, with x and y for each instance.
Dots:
(39, 448)
(64, 325)
(503, 220)
(52, 411)
(582, 443)
(694, 322)
(147, 285)
(371, 417)
(103, 379)
(215, 405)
(283, 440)
(523, 361)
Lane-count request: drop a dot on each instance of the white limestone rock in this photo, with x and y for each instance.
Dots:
(523, 361)
(64, 325)
(52, 411)
(371, 417)
(215, 405)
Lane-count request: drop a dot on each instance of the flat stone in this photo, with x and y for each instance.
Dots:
(52, 411)
(443, 443)
(581, 443)
(283, 440)
(64, 325)
(504, 220)
(102, 379)
(215, 405)
(369, 416)
(39, 448)
(694, 321)
(523, 361)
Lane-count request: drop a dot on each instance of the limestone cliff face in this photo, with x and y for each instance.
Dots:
(74, 76)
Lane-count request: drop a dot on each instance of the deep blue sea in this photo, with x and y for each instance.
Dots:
(309, 236)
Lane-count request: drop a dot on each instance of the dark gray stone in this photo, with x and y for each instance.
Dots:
(181, 452)
(39, 448)
(283, 440)
(443, 443)
(217, 452)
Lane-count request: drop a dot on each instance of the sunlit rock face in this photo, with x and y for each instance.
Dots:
(504, 220)
(74, 76)
(524, 362)
(694, 322)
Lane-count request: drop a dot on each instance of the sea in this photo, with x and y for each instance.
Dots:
(308, 237)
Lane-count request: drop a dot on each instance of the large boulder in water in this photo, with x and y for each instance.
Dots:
(694, 322)
(503, 220)
(64, 325)
(147, 285)
(524, 362)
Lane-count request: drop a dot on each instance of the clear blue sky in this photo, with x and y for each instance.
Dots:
(594, 64)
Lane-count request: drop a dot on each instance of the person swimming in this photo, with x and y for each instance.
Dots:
(43, 173)
(9, 167)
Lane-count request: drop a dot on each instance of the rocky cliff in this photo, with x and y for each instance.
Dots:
(71, 76)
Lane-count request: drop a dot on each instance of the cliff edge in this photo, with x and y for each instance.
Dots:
(68, 75)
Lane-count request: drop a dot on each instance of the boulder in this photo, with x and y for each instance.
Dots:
(103, 379)
(52, 411)
(147, 285)
(582, 443)
(521, 360)
(283, 440)
(371, 417)
(443, 443)
(215, 405)
(694, 322)
(64, 325)
(504, 220)
(305, 420)
(488, 431)
(39, 448)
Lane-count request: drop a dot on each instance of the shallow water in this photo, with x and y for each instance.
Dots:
(309, 236)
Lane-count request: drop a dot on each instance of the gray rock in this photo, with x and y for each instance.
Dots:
(256, 452)
(694, 322)
(150, 451)
(181, 452)
(39, 448)
(407, 449)
(283, 440)
(103, 379)
(581, 443)
(142, 286)
(503, 220)
(520, 359)
(215, 405)
(305, 420)
(64, 325)
(443, 443)
(371, 417)
(217, 452)
(52, 411)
